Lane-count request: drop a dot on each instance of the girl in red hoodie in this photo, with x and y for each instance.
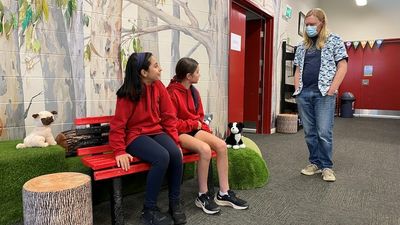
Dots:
(144, 125)
(195, 135)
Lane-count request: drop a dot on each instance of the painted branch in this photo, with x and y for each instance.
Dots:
(189, 14)
(200, 35)
(58, 198)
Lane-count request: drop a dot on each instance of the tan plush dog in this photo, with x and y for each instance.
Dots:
(41, 135)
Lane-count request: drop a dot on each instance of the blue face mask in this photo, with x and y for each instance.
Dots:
(311, 31)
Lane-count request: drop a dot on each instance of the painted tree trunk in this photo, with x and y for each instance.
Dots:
(11, 87)
(58, 199)
(56, 67)
(217, 52)
(175, 53)
(105, 64)
(277, 4)
(75, 41)
(149, 42)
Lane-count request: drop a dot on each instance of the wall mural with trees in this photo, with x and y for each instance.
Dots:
(69, 55)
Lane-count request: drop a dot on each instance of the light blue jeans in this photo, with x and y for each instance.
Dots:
(317, 114)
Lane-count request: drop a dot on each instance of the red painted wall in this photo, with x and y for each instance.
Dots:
(382, 93)
(252, 70)
(236, 66)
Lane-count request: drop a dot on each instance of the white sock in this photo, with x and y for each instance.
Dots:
(223, 193)
(200, 194)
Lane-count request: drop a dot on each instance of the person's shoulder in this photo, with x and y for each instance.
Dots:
(334, 37)
(300, 44)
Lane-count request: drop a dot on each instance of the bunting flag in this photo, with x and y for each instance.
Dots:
(363, 44)
(348, 44)
(379, 43)
(371, 43)
(355, 44)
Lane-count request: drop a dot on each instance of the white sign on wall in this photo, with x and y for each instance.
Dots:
(236, 42)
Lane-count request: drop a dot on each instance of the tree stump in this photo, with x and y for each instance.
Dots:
(58, 198)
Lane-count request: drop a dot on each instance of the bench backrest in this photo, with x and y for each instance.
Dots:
(94, 126)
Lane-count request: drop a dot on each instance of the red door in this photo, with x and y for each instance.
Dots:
(253, 76)
(250, 66)
(236, 64)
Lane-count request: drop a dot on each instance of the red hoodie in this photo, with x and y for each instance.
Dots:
(186, 112)
(152, 114)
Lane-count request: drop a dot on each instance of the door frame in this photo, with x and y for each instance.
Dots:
(266, 99)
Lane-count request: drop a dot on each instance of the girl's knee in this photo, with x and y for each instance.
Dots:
(205, 152)
(221, 147)
(161, 160)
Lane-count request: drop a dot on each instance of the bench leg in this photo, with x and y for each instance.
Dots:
(117, 213)
(210, 180)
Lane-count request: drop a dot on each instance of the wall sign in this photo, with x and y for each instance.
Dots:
(368, 69)
(236, 42)
(288, 12)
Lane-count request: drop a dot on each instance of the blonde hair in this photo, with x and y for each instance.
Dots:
(323, 34)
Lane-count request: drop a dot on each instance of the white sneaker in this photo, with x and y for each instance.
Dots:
(328, 175)
(310, 170)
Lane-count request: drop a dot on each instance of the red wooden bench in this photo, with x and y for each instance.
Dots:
(102, 162)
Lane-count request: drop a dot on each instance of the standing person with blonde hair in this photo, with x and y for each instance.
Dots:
(195, 135)
(321, 65)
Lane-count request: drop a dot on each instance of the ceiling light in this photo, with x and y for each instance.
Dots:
(361, 2)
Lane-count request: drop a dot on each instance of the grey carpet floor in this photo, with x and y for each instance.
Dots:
(367, 190)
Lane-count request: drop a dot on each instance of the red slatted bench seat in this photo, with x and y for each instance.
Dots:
(102, 162)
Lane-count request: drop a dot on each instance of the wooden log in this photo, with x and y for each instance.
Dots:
(58, 198)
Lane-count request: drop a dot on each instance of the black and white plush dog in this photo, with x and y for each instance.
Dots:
(41, 136)
(234, 140)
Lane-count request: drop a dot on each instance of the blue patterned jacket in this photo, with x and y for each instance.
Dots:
(333, 51)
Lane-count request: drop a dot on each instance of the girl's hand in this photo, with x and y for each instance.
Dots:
(199, 125)
(123, 161)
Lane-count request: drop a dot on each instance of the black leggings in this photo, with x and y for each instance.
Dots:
(164, 156)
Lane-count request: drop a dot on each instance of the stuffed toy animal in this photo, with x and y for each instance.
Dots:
(234, 140)
(41, 135)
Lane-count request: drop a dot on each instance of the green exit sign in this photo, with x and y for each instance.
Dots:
(288, 12)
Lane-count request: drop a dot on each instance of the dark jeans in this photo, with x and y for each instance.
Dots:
(317, 115)
(164, 156)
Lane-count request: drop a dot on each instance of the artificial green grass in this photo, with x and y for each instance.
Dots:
(247, 169)
(17, 166)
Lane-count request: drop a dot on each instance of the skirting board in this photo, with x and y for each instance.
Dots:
(389, 114)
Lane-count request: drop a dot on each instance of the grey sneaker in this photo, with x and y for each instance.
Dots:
(328, 175)
(310, 170)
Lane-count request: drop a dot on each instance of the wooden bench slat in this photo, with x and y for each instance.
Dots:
(105, 148)
(93, 150)
(117, 172)
(98, 162)
(136, 168)
(93, 120)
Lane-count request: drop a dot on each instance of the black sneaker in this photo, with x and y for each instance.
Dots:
(175, 210)
(153, 216)
(207, 203)
(231, 200)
